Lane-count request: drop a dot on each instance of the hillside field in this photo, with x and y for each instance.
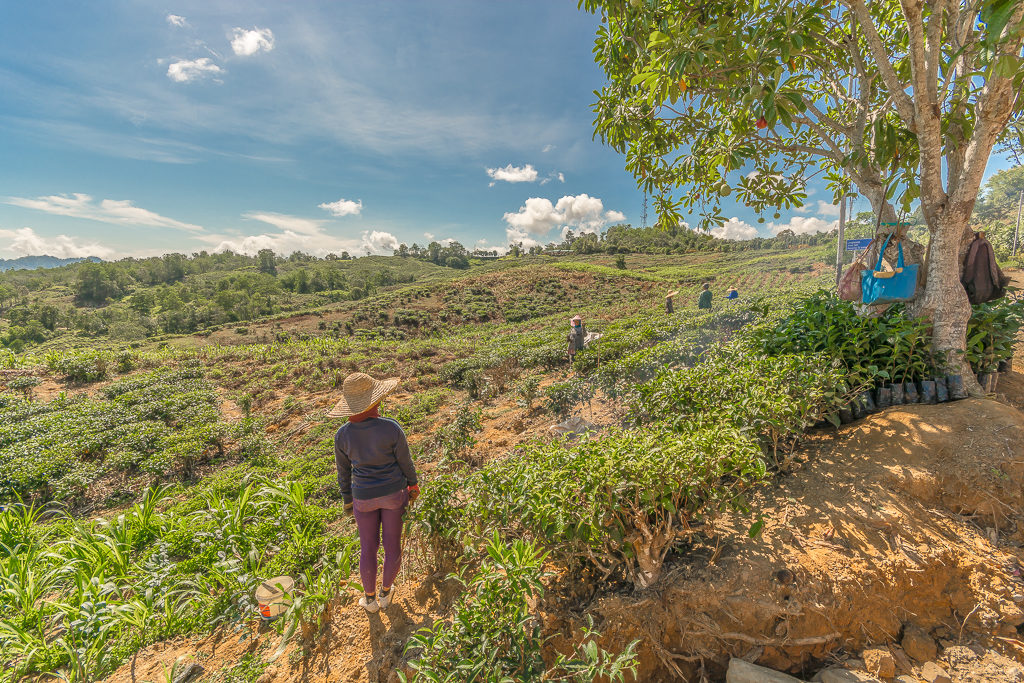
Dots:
(150, 483)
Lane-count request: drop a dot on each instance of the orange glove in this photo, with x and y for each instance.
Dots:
(414, 493)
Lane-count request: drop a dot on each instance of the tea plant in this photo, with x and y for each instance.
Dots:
(872, 350)
(164, 422)
(494, 636)
(458, 436)
(616, 504)
(992, 333)
(772, 398)
(527, 391)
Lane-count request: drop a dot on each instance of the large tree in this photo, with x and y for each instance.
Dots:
(901, 100)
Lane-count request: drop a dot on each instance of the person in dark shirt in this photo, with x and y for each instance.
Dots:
(576, 338)
(377, 479)
(705, 297)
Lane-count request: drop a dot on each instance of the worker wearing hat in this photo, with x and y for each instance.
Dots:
(377, 479)
(577, 336)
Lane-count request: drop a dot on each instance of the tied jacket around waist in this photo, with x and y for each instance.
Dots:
(373, 459)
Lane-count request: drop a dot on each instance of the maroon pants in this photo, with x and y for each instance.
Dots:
(377, 517)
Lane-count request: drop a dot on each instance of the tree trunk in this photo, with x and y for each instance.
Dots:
(941, 298)
(944, 300)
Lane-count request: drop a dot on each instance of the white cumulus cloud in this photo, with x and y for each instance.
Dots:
(187, 70)
(513, 174)
(26, 242)
(429, 235)
(343, 207)
(176, 20)
(734, 229)
(379, 242)
(804, 225)
(113, 211)
(247, 42)
(538, 217)
(828, 208)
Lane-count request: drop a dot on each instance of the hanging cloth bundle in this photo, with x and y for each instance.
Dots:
(888, 287)
(849, 283)
(982, 278)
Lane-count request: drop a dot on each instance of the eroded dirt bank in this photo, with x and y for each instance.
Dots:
(910, 518)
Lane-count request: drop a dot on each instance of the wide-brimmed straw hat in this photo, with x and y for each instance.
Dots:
(360, 392)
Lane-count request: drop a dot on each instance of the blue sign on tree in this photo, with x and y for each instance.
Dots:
(858, 245)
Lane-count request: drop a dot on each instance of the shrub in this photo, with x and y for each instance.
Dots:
(564, 397)
(494, 636)
(992, 333)
(890, 347)
(78, 368)
(457, 437)
(615, 504)
(772, 398)
(527, 390)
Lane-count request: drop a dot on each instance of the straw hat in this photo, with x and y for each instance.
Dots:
(575, 318)
(361, 392)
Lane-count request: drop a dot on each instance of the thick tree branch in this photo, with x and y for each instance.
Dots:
(904, 105)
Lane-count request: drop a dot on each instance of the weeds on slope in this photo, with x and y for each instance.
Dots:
(77, 598)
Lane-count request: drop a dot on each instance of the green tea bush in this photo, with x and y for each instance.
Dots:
(564, 397)
(891, 347)
(79, 367)
(495, 637)
(774, 399)
(458, 436)
(163, 422)
(615, 504)
(992, 333)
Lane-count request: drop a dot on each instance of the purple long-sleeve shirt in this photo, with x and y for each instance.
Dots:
(373, 459)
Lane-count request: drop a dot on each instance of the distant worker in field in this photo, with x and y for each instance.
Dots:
(668, 302)
(705, 297)
(731, 294)
(577, 337)
(377, 479)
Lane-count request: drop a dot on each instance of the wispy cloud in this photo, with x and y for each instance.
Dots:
(828, 208)
(307, 226)
(343, 207)
(176, 20)
(187, 70)
(301, 234)
(26, 242)
(247, 42)
(112, 211)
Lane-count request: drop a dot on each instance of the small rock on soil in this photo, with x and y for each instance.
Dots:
(933, 673)
(846, 676)
(918, 643)
(879, 662)
(741, 671)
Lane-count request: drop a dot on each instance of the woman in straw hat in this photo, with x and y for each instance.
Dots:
(377, 479)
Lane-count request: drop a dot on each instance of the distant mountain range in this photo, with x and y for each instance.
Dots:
(33, 262)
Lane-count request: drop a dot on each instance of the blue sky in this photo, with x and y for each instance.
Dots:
(134, 128)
